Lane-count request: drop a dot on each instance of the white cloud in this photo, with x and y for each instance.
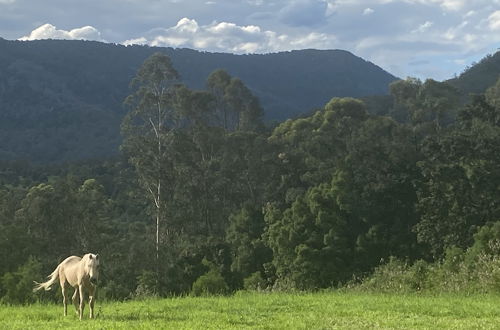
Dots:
(470, 13)
(423, 27)
(449, 5)
(230, 37)
(187, 25)
(49, 31)
(137, 41)
(452, 5)
(312, 40)
(368, 11)
(455, 32)
(331, 7)
(6, 2)
(494, 21)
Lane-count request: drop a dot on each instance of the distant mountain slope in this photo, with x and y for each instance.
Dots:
(62, 100)
(479, 77)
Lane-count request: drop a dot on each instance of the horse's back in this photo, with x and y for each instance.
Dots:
(70, 268)
(71, 260)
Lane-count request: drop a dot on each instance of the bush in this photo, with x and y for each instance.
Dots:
(451, 274)
(487, 273)
(147, 285)
(211, 283)
(418, 275)
(476, 270)
(254, 282)
(18, 286)
(486, 241)
(113, 290)
(390, 277)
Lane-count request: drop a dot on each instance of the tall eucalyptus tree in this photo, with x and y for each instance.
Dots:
(147, 129)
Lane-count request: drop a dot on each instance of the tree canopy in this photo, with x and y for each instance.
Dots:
(206, 197)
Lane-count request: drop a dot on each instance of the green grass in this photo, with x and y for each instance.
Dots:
(327, 310)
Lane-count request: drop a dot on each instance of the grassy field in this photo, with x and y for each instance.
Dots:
(328, 310)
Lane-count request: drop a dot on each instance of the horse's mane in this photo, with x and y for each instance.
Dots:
(86, 257)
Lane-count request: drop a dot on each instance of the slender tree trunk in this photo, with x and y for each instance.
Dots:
(157, 197)
(159, 212)
(158, 216)
(225, 118)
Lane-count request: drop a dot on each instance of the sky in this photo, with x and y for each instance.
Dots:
(409, 38)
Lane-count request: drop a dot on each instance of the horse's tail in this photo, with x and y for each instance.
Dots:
(46, 285)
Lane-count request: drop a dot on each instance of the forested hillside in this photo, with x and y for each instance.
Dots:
(480, 76)
(62, 100)
(205, 198)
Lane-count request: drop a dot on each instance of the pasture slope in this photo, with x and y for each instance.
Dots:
(325, 310)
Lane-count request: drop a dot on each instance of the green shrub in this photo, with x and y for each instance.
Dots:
(254, 282)
(418, 275)
(147, 285)
(211, 283)
(486, 273)
(390, 277)
(476, 270)
(18, 286)
(486, 241)
(113, 290)
(450, 274)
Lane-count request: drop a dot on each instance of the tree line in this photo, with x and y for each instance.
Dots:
(206, 198)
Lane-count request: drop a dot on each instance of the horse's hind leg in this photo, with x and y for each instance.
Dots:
(65, 303)
(62, 282)
(75, 300)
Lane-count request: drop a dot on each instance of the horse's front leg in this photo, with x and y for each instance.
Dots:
(82, 300)
(91, 301)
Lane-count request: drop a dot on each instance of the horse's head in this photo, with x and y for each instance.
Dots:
(93, 267)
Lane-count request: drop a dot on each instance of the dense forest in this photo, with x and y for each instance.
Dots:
(61, 100)
(204, 197)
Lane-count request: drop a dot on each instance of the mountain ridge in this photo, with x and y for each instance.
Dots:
(479, 76)
(66, 95)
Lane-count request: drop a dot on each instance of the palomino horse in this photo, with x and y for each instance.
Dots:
(80, 273)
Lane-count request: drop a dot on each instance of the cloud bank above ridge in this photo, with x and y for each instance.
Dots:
(423, 38)
(230, 37)
(49, 31)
